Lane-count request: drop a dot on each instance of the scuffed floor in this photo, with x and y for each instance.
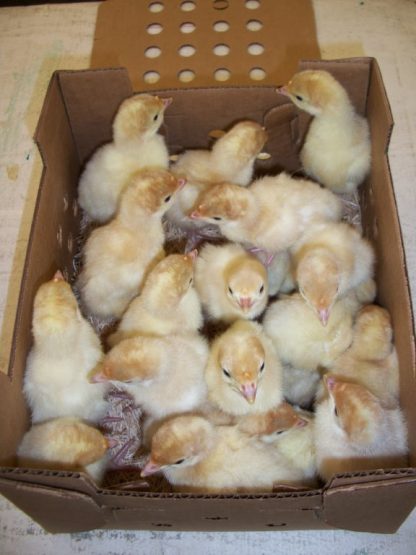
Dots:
(36, 40)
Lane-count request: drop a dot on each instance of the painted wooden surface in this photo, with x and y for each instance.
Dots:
(36, 40)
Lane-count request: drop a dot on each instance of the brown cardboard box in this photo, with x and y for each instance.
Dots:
(75, 119)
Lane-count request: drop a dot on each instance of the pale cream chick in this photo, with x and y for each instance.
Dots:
(136, 145)
(272, 213)
(354, 431)
(337, 148)
(165, 375)
(300, 386)
(300, 339)
(243, 373)
(196, 456)
(231, 159)
(231, 282)
(330, 260)
(117, 255)
(64, 444)
(291, 432)
(371, 360)
(65, 350)
(168, 302)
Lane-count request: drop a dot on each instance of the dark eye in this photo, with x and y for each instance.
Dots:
(180, 461)
(155, 117)
(167, 199)
(190, 281)
(261, 289)
(335, 411)
(278, 432)
(300, 98)
(230, 291)
(226, 373)
(262, 367)
(218, 218)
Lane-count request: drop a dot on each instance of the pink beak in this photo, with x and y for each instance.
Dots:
(98, 378)
(245, 303)
(181, 183)
(282, 90)
(249, 392)
(192, 254)
(167, 102)
(323, 314)
(150, 468)
(195, 215)
(58, 276)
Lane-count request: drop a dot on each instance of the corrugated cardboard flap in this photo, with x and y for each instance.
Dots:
(370, 501)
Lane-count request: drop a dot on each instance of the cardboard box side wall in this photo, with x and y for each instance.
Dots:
(70, 127)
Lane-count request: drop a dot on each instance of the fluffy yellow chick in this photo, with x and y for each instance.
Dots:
(64, 444)
(195, 456)
(65, 349)
(337, 148)
(354, 431)
(117, 255)
(231, 159)
(300, 339)
(167, 303)
(272, 214)
(165, 375)
(371, 360)
(291, 431)
(330, 260)
(231, 283)
(243, 373)
(136, 145)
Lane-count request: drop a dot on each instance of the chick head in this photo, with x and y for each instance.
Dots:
(180, 441)
(139, 116)
(222, 203)
(241, 361)
(246, 285)
(137, 359)
(151, 190)
(317, 275)
(315, 91)
(169, 281)
(274, 424)
(355, 410)
(373, 333)
(244, 141)
(55, 309)
(79, 444)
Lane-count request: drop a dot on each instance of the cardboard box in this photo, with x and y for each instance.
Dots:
(75, 119)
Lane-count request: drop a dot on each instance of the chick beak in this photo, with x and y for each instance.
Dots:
(181, 183)
(58, 276)
(97, 375)
(249, 391)
(195, 215)
(323, 314)
(150, 468)
(245, 302)
(283, 90)
(167, 102)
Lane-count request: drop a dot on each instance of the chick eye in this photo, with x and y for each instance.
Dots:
(180, 461)
(226, 373)
(278, 432)
(230, 291)
(300, 98)
(261, 367)
(218, 218)
(155, 117)
(167, 199)
(191, 281)
(335, 411)
(261, 289)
